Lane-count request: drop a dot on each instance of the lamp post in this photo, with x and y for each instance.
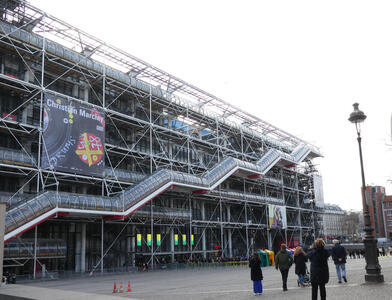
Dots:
(373, 268)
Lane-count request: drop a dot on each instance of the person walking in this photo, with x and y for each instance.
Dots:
(283, 261)
(319, 272)
(339, 256)
(256, 275)
(300, 259)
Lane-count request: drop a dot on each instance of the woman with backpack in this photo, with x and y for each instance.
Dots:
(256, 275)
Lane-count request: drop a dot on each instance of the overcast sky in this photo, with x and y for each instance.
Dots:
(299, 65)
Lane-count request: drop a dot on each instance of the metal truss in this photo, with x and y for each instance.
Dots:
(154, 121)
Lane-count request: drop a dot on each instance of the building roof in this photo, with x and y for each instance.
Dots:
(54, 29)
(333, 208)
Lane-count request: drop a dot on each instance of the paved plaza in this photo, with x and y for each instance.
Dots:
(213, 283)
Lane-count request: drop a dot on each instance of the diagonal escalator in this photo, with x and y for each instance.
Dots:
(50, 203)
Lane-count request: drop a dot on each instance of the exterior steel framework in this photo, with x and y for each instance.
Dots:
(154, 121)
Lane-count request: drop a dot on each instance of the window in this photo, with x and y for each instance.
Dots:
(12, 66)
(8, 141)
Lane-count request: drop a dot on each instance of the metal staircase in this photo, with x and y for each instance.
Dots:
(50, 203)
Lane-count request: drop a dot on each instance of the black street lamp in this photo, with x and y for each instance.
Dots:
(373, 268)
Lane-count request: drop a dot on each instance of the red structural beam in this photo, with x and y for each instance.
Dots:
(63, 214)
(201, 192)
(253, 176)
(290, 165)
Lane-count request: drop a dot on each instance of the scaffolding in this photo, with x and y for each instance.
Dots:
(180, 163)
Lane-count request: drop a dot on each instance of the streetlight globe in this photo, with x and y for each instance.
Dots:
(357, 116)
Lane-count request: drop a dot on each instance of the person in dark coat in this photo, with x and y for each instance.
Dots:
(283, 261)
(256, 275)
(339, 256)
(319, 272)
(300, 259)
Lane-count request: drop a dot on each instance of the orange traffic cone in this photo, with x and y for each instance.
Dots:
(121, 288)
(114, 288)
(129, 286)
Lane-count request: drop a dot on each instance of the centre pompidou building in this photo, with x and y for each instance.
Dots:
(107, 161)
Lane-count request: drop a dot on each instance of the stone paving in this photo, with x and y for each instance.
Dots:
(219, 283)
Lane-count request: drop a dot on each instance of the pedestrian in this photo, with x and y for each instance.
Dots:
(283, 261)
(319, 272)
(256, 275)
(8, 277)
(300, 259)
(339, 256)
(383, 251)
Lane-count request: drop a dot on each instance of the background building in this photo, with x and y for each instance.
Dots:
(388, 217)
(352, 228)
(375, 196)
(108, 161)
(334, 218)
